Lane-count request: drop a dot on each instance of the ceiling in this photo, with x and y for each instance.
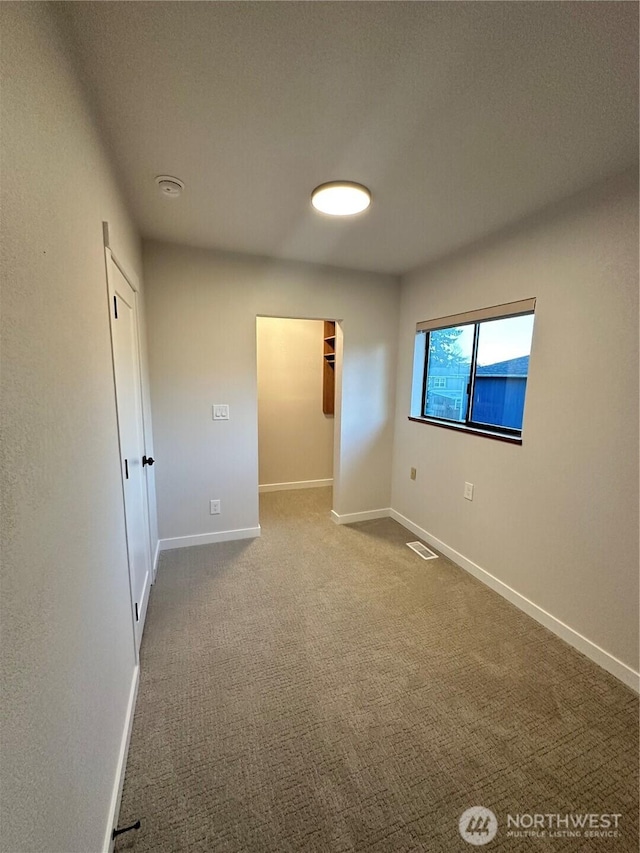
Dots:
(460, 117)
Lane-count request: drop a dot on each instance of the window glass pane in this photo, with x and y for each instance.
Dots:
(448, 371)
(501, 373)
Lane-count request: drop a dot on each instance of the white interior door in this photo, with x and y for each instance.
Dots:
(126, 362)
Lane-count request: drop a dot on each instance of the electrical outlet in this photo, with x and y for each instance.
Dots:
(468, 491)
(214, 507)
(413, 473)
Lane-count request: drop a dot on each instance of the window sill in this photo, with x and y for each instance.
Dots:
(484, 433)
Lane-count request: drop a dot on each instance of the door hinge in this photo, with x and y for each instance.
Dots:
(126, 469)
(115, 307)
(137, 614)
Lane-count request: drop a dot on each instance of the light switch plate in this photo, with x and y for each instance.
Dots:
(220, 412)
(468, 491)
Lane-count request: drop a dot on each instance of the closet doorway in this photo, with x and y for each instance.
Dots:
(297, 364)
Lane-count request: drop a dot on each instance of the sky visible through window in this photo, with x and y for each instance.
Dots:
(504, 339)
(465, 342)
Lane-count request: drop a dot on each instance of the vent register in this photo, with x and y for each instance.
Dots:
(422, 551)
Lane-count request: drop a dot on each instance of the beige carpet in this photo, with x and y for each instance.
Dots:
(322, 688)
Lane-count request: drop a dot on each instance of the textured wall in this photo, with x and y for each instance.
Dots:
(202, 309)
(67, 643)
(295, 437)
(556, 519)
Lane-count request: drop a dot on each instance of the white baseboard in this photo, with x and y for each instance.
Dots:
(367, 515)
(298, 484)
(208, 538)
(594, 652)
(116, 795)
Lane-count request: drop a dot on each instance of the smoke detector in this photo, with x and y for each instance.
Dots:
(169, 187)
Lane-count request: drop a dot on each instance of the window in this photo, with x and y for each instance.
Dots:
(470, 370)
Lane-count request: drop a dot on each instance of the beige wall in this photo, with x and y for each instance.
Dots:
(555, 519)
(295, 437)
(67, 641)
(202, 309)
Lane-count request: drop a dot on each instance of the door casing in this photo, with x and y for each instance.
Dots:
(138, 606)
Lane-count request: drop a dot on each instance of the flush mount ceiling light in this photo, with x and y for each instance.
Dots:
(169, 187)
(341, 198)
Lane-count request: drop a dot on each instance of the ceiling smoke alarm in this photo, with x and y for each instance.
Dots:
(170, 187)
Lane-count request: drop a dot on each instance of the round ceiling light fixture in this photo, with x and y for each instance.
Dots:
(341, 198)
(169, 187)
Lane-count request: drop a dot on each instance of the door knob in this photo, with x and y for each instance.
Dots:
(147, 460)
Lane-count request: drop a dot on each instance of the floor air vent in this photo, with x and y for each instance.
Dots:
(422, 550)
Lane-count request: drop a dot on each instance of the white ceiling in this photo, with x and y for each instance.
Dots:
(461, 117)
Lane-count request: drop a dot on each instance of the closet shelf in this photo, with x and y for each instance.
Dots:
(329, 360)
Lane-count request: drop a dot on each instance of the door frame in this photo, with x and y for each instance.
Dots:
(132, 280)
(337, 415)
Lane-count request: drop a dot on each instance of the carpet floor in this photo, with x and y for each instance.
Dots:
(322, 688)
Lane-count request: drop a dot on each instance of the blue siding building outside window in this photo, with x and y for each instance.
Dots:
(499, 390)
